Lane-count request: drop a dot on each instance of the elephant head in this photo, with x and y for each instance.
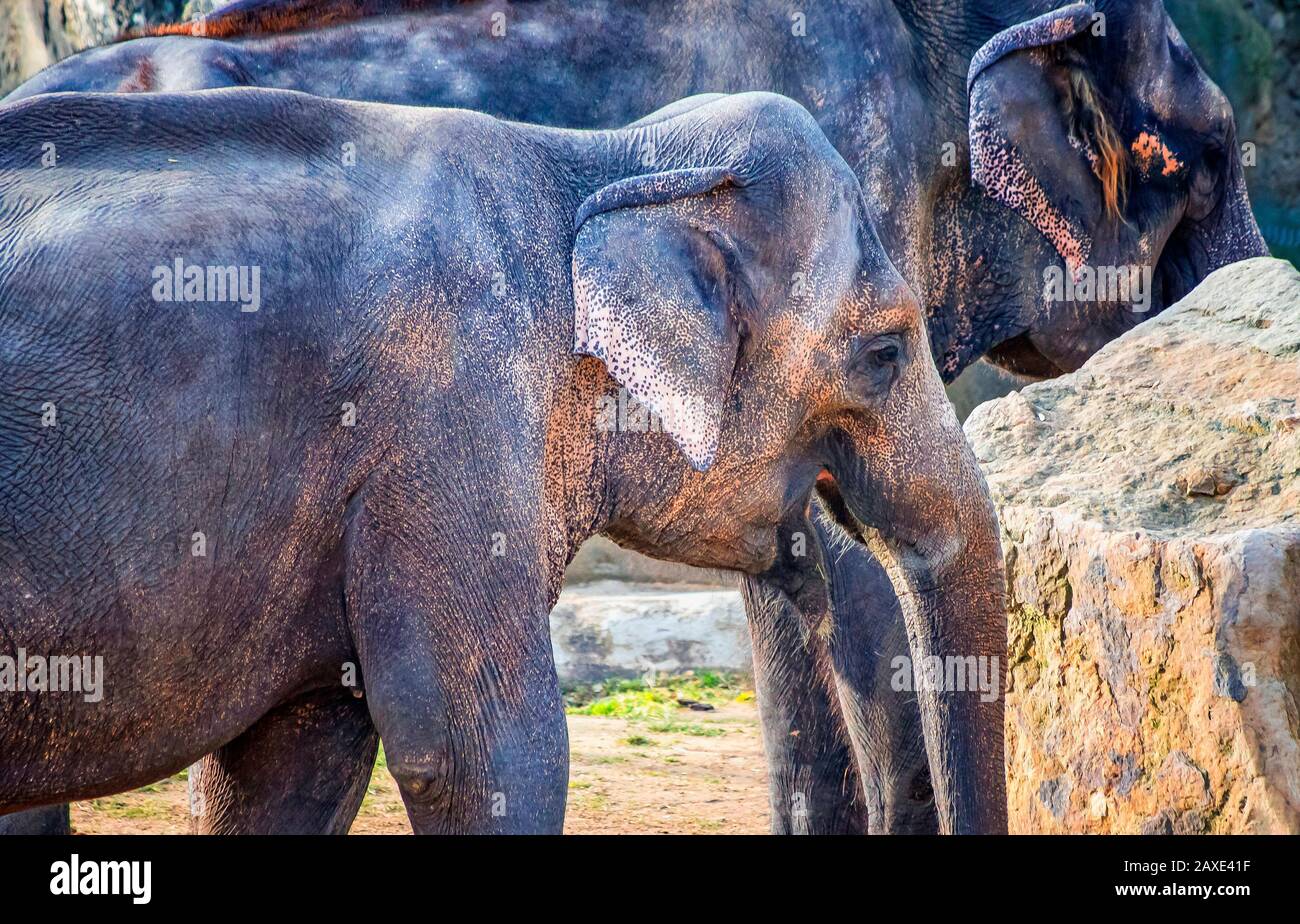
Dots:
(740, 293)
(1096, 127)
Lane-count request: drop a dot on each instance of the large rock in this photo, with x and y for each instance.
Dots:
(1150, 510)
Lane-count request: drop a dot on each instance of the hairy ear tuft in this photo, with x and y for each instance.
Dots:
(1091, 123)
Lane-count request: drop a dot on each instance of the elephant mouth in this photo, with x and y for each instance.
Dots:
(1178, 270)
(828, 490)
(1046, 354)
(837, 506)
(1020, 356)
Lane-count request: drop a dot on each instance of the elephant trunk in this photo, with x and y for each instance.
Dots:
(1233, 234)
(813, 780)
(920, 503)
(957, 629)
(1199, 247)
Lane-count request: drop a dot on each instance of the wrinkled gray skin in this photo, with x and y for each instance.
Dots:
(888, 82)
(372, 545)
(856, 760)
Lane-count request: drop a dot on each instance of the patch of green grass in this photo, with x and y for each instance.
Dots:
(630, 704)
(608, 759)
(638, 741)
(655, 698)
(686, 728)
(590, 799)
(118, 807)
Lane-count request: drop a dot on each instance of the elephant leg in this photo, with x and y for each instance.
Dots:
(459, 678)
(472, 721)
(813, 783)
(301, 769)
(48, 819)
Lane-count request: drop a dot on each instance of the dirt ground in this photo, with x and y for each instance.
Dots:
(704, 776)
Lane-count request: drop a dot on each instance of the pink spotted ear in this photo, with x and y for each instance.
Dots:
(1006, 167)
(650, 301)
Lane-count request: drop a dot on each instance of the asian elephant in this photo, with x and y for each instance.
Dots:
(274, 416)
(996, 142)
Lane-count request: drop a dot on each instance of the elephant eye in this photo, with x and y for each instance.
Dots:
(1204, 188)
(879, 351)
(875, 361)
(885, 355)
(1213, 160)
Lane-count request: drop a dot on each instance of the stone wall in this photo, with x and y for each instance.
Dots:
(623, 614)
(617, 629)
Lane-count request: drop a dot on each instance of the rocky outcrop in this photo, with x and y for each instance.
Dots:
(1150, 510)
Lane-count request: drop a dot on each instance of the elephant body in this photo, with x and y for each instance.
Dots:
(303, 456)
(890, 83)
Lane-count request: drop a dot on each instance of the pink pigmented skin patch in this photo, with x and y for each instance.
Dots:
(1062, 29)
(997, 167)
(143, 80)
(1146, 148)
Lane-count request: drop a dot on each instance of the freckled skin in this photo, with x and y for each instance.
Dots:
(422, 547)
(888, 82)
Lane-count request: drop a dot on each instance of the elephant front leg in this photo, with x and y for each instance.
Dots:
(813, 782)
(459, 679)
(301, 769)
(471, 718)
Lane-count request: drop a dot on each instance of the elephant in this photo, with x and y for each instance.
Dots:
(939, 110)
(300, 443)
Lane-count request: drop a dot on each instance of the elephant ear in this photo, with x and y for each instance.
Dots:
(1040, 141)
(652, 300)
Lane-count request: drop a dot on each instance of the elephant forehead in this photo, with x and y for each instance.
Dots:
(881, 308)
(794, 335)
